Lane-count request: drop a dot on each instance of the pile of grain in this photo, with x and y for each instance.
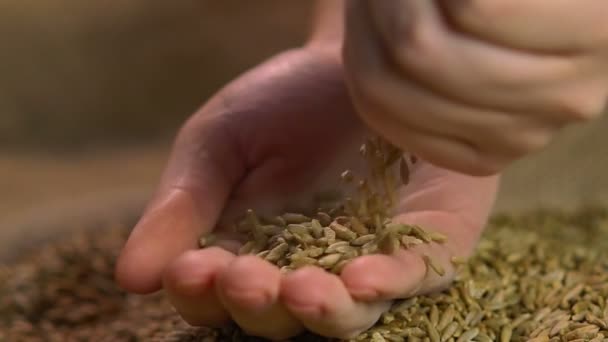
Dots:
(539, 277)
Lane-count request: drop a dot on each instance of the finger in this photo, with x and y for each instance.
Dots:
(322, 303)
(200, 173)
(556, 26)
(454, 154)
(405, 274)
(413, 114)
(249, 288)
(378, 94)
(565, 88)
(189, 283)
(448, 133)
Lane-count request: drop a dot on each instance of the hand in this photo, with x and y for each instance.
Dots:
(473, 85)
(271, 140)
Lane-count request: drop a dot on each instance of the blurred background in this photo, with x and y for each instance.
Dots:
(92, 92)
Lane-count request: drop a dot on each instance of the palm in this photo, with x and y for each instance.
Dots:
(293, 136)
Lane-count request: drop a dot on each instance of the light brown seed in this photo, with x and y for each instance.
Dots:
(337, 268)
(362, 240)
(575, 291)
(316, 229)
(263, 254)
(329, 234)
(559, 326)
(246, 248)
(288, 236)
(458, 260)
(422, 234)
(277, 253)
(369, 248)
(541, 314)
(376, 337)
(315, 252)
(434, 315)
(483, 338)
(357, 226)
(348, 252)
(333, 248)
(295, 218)
(328, 261)
(520, 319)
(272, 230)
(410, 241)
(414, 332)
(388, 243)
(324, 218)
(399, 228)
(468, 335)
(297, 229)
(599, 338)
(447, 317)
(438, 237)
(305, 239)
(585, 332)
(322, 242)
(433, 265)
(432, 332)
(303, 261)
(343, 232)
(277, 221)
(207, 240)
(449, 331)
(596, 320)
(506, 333)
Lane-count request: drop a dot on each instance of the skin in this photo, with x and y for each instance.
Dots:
(474, 85)
(283, 132)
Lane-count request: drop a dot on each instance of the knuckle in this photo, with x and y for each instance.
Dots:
(418, 48)
(173, 277)
(589, 105)
(530, 142)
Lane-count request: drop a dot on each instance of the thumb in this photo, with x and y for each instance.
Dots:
(201, 172)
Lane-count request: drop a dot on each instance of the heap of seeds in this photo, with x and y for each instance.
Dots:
(333, 236)
(539, 277)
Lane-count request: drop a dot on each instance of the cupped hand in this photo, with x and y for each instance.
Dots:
(474, 85)
(273, 140)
